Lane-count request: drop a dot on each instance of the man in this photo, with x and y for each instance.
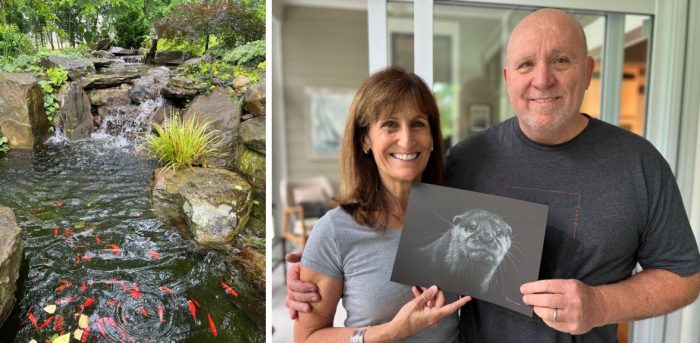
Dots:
(612, 199)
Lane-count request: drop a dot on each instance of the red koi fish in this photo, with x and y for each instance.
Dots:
(32, 320)
(83, 286)
(212, 327)
(228, 288)
(166, 290)
(196, 302)
(58, 323)
(134, 292)
(97, 239)
(193, 310)
(87, 303)
(160, 313)
(46, 322)
(154, 254)
(101, 326)
(114, 247)
(86, 333)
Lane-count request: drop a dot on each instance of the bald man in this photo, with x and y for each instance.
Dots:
(613, 201)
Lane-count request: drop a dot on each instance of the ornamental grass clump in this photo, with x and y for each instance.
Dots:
(178, 143)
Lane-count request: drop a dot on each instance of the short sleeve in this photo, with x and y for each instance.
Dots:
(321, 252)
(668, 241)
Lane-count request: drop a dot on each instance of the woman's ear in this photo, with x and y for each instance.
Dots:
(366, 144)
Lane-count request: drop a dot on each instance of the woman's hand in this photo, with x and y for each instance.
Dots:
(424, 311)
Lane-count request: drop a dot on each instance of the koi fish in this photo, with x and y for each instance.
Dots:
(228, 288)
(113, 302)
(196, 302)
(65, 282)
(212, 327)
(58, 324)
(134, 292)
(86, 333)
(55, 232)
(57, 203)
(160, 313)
(46, 322)
(114, 247)
(77, 259)
(154, 254)
(101, 326)
(83, 286)
(111, 322)
(87, 303)
(143, 311)
(193, 310)
(97, 239)
(68, 232)
(86, 258)
(32, 320)
(166, 290)
(61, 288)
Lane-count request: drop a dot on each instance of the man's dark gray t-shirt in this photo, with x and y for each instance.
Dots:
(613, 201)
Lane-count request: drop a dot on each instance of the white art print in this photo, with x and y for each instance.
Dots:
(471, 243)
(328, 109)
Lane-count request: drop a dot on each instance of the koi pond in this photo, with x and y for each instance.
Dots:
(94, 250)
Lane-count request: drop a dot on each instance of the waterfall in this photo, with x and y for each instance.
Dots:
(125, 125)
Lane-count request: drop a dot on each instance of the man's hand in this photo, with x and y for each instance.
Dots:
(299, 293)
(565, 305)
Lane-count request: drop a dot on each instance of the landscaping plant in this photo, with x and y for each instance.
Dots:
(4, 148)
(57, 77)
(178, 143)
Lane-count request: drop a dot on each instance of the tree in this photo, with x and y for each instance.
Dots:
(131, 28)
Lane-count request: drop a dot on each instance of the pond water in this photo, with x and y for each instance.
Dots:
(89, 233)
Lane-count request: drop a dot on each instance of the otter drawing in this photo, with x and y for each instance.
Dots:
(474, 246)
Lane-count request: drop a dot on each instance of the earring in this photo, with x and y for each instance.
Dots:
(366, 151)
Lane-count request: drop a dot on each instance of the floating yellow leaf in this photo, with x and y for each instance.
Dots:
(78, 334)
(83, 321)
(50, 309)
(63, 339)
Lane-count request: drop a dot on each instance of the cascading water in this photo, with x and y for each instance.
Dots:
(92, 247)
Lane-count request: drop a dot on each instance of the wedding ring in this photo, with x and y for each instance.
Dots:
(554, 315)
(424, 298)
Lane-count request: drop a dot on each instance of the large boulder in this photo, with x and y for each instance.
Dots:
(223, 116)
(148, 87)
(75, 114)
(103, 54)
(252, 134)
(170, 57)
(255, 99)
(213, 204)
(107, 80)
(241, 82)
(104, 44)
(117, 51)
(10, 260)
(76, 69)
(109, 96)
(181, 89)
(252, 165)
(22, 117)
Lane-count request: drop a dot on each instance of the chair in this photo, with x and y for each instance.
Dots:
(303, 202)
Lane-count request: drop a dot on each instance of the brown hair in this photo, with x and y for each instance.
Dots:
(383, 93)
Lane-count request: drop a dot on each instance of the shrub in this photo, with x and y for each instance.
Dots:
(248, 55)
(12, 41)
(131, 28)
(178, 143)
(21, 63)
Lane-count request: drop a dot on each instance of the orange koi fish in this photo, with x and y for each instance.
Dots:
(193, 310)
(166, 290)
(32, 320)
(58, 324)
(114, 247)
(154, 254)
(160, 313)
(46, 322)
(87, 303)
(212, 327)
(228, 288)
(143, 311)
(55, 232)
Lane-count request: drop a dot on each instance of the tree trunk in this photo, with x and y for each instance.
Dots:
(206, 43)
(151, 54)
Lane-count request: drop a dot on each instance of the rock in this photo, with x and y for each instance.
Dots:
(109, 97)
(224, 116)
(255, 99)
(148, 87)
(117, 51)
(103, 44)
(240, 82)
(76, 69)
(170, 57)
(252, 134)
(10, 260)
(22, 117)
(102, 62)
(214, 204)
(251, 165)
(133, 59)
(107, 80)
(181, 89)
(103, 54)
(252, 264)
(76, 118)
(195, 60)
(166, 110)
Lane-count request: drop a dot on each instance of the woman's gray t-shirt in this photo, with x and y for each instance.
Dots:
(362, 259)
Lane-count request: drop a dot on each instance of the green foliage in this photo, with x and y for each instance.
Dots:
(217, 73)
(131, 28)
(21, 63)
(57, 77)
(249, 55)
(179, 143)
(4, 148)
(193, 49)
(12, 41)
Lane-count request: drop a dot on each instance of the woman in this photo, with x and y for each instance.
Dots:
(392, 139)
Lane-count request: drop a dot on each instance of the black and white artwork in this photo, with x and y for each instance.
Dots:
(329, 109)
(471, 243)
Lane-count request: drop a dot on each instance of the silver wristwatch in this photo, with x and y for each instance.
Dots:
(358, 336)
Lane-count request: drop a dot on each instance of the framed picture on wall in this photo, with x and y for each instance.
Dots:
(328, 110)
(479, 117)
